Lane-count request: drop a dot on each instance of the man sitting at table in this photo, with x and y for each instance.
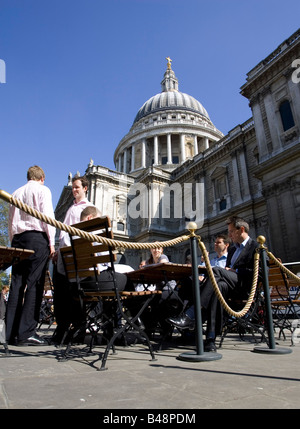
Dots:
(235, 279)
(221, 246)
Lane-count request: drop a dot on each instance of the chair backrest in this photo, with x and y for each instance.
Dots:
(48, 285)
(278, 282)
(82, 257)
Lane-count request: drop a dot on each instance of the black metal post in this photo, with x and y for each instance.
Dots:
(272, 345)
(197, 302)
(267, 298)
(199, 355)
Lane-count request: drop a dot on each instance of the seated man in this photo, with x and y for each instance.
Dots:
(236, 278)
(221, 246)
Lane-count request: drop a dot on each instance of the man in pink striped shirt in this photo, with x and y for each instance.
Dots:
(28, 276)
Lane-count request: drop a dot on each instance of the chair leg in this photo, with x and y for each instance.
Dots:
(129, 323)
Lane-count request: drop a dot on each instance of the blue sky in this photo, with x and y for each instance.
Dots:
(77, 71)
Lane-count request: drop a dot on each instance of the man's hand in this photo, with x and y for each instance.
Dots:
(52, 252)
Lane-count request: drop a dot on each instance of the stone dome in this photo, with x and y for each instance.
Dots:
(168, 129)
(170, 100)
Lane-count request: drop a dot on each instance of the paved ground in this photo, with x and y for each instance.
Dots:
(33, 378)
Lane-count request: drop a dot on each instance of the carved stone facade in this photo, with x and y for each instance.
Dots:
(253, 171)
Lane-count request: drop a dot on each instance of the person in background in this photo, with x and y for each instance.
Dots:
(5, 293)
(164, 305)
(142, 263)
(187, 320)
(28, 276)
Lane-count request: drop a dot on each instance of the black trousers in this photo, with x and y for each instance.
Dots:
(212, 310)
(66, 309)
(27, 285)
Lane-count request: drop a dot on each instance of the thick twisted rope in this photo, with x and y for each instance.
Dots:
(88, 236)
(123, 244)
(220, 297)
(130, 245)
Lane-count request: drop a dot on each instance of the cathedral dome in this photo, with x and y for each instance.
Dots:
(168, 129)
(169, 100)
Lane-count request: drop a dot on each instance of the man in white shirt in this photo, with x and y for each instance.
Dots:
(61, 299)
(221, 246)
(28, 276)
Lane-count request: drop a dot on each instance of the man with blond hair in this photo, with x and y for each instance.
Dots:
(28, 276)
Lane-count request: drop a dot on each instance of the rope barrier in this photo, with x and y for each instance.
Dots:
(250, 299)
(287, 271)
(129, 245)
(88, 236)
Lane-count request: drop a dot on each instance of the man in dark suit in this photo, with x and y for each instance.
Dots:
(233, 280)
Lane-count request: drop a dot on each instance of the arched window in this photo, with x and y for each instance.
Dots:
(286, 115)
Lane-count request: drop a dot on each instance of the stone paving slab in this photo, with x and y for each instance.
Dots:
(34, 378)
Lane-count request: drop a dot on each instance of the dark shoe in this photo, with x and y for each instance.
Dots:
(209, 345)
(35, 340)
(182, 322)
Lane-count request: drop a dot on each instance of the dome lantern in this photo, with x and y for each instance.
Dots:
(169, 82)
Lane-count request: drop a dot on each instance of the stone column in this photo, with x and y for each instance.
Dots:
(236, 179)
(125, 161)
(259, 129)
(244, 173)
(182, 147)
(144, 153)
(295, 95)
(169, 149)
(206, 143)
(195, 145)
(132, 157)
(155, 150)
(272, 121)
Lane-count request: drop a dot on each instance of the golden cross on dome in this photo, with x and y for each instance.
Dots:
(169, 62)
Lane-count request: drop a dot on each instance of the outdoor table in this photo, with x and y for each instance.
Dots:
(156, 273)
(12, 255)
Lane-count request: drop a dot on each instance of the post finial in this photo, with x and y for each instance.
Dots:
(192, 227)
(261, 240)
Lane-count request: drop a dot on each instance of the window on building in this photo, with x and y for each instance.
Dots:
(286, 115)
(221, 191)
(221, 188)
(222, 204)
(120, 226)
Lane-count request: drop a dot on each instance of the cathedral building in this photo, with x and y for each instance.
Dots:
(175, 166)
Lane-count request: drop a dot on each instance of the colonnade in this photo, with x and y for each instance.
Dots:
(126, 159)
